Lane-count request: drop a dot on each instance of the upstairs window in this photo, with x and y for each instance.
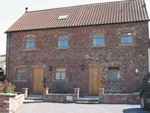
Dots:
(98, 39)
(60, 73)
(114, 72)
(63, 41)
(126, 38)
(21, 75)
(29, 43)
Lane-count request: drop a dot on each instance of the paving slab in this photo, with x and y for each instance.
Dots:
(47, 107)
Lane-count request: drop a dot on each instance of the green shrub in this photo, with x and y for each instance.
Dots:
(6, 87)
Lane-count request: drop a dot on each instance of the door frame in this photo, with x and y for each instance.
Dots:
(89, 76)
(38, 67)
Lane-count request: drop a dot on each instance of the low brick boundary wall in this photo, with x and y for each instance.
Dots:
(118, 98)
(9, 103)
(64, 97)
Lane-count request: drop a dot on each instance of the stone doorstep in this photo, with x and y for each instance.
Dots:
(33, 101)
(34, 98)
(88, 99)
(87, 102)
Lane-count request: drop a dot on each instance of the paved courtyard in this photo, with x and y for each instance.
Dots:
(79, 108)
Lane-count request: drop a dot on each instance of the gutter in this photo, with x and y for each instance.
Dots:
(74, 26)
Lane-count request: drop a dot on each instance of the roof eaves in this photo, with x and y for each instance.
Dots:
(75, 26)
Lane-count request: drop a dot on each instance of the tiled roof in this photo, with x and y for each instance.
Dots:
(91, 14)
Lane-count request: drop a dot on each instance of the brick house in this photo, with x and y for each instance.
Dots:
(87, 46)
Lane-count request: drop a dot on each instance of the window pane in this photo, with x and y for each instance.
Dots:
(129, 39)
(18, 78)
(60, 43)
(114, 74)
(30, 39)
(64, 16)
(95, 41)
(62, 75)
(118, 74)
(126, 33)
(101, 41)
(99, 35)
(65, 43)
(113, 68)
(111, 74)
(21, 76)
(98, 41)
(31, 45)
(60, 69)
(57, 75)
(57, 70)
(27, 45)
(124, 39)
(63, 37)
(21, 71)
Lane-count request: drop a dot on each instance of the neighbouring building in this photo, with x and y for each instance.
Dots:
(2, 67)
(86, 46)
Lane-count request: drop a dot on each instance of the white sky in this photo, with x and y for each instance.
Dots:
(11, 10)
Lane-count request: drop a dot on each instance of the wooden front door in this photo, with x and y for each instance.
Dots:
(95, 80)
(37, 80)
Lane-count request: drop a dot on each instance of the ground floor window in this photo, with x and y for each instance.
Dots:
(21, 73)
(114, 72)
(60, 73)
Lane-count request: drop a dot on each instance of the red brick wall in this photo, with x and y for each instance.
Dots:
(118, 98)
(9, 103)
(81, 52)
(62, 97)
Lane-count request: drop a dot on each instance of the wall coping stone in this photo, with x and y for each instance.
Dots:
(24, 88)
(119, 94)
(60, 94)
(76, 88)
(8, 94)
(19, 96)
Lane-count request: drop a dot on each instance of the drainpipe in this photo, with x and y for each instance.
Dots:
(149, 59)
(8, 55)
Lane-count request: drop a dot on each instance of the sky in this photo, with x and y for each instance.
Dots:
(12, 10)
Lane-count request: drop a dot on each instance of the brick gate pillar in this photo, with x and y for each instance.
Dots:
(101, 95)
(25, 91)
(45, 91)
(76, 92)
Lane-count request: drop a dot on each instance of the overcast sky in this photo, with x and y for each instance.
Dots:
(11, 10)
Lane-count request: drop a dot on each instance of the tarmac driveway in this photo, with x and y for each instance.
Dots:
(79, 108)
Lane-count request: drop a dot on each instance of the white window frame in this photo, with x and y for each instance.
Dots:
(60, 73)
(98, 37)
(126, 35)
(17, 72)
(114, 70)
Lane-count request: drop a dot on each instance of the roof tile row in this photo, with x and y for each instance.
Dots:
(91, 14)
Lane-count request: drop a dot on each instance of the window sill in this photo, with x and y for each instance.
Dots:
(63, 47)
(115, 80)
(29, 49)
(126, 44)
(99, 46)
(20, 80)
(60, 80)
